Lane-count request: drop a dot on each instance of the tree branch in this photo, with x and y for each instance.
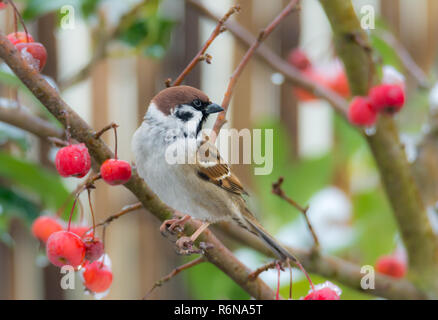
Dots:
(332, 268)
(353, 47)
(219, 255)
(276, 189)
(19, 117)
(174, 273)
(290, 73)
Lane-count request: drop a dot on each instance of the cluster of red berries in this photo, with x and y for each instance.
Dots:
(74, 161)
(384, 98)
(324, 291)
(332, 77)
(391, 265)
(2, 5)
(33, 52)
(76, 247)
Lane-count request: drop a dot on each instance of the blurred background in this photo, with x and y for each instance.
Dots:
(109, 76)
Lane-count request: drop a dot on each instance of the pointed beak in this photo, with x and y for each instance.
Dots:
(213, 108)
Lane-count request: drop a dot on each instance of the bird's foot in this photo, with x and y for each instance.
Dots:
(173, 226)
(185, 246)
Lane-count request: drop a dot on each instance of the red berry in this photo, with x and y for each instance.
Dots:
(339, 84)
(19, 37)
(44, 226)
(322, 294)
(97, 276)
(81, 231)
(34, 53)
(298, 58)
(65, 248)
(93, 249)
(391, 266)
(314, 76)
(115, 171)
(324, 291)
(361, 113)
(2, 5)
(73, 160)
(388, 97)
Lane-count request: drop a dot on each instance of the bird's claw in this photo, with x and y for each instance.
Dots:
(185, 246)
(173, 226)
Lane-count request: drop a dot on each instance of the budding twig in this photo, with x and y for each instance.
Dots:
(125, 210)
(98, 134)
(276, 189)
(220, 121)
(266, 267)
(175, 271)
(201, 54)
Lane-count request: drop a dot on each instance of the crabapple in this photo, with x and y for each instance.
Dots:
(44, 226)
(93, 249)
(34, 53)
(324, 291)
(298, 58)
(97, 276)
(387, 97)
(391, 266)
(115, 171)
(65, 248)
(73, 160)
(19, 37)
(361, 113)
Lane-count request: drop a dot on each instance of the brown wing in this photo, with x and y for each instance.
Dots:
(212, 168)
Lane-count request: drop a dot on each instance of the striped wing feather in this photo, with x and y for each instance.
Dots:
(212, 168)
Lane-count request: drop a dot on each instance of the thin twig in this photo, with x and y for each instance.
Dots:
(201, 54)
(98, 134)
(125, 210)
(57, 142)
(175, 272)
(271, 265)
(276, 189)
(406, 58)
(220, 121)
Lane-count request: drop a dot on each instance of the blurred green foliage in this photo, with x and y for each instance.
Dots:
(37, 8)
(26, 189)
(147, 31)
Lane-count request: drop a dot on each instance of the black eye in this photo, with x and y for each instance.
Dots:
(197, 103)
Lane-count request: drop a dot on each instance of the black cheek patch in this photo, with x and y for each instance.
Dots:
(184, 115)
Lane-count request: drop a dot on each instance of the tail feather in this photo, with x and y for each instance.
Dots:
(281, 252)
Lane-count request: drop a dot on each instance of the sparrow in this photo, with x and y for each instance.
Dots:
(201, 187)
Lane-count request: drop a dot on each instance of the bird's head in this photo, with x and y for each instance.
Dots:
(181, 107)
